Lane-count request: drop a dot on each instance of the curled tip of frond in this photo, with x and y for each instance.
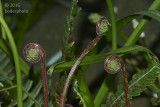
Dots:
(32, 52)
(112, 64)
(102, 26)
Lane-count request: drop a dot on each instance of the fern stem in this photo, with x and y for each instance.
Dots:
(113, 24)
(125, 84)
(16, 61)
(44, 78)
(74, 68)
(101, 28)
(33, 53)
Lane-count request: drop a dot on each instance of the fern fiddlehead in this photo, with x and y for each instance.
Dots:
(33, 53)
(112, 65)
(101, 28)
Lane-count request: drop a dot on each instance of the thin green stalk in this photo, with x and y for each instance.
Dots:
(1, 14)
(5, 47)
(104, 89)
(113, 24)
(16, 61)
(142, 25)
(155, 5)
(84, 89)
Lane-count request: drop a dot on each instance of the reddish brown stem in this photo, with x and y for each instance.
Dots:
(125, 84)
(74, 68)
(89, 48)
(33, 53)
(44, 78)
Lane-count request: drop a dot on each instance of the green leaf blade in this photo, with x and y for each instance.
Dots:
(96, 58)
(155, 14)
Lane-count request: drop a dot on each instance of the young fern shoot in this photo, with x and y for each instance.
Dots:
(33, 53)
(101, 28)
(112, 65)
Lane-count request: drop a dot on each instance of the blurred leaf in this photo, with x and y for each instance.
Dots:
(30, 94)
(1, 85)
(24, 67)
(6, 69)
(5, 47)
(96, 58)
(37, 9)
(155, 14)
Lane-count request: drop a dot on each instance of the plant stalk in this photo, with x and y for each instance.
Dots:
(74, 68)
(125, 84)
(16, 61)
(1, 14)
(44, 77)
(33, 53)
(113, 24)
(112, 65)
(85, 92)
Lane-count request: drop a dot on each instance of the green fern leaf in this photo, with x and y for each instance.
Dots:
(137, 85)
(67, 39)
(79, 96)
(32, 95)
(6, 69)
